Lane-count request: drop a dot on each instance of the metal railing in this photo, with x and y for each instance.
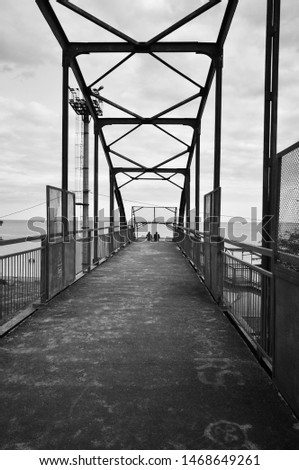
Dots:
(23, 275)
(246, 290)
(20, 281)
(246, 295)
(191, 243)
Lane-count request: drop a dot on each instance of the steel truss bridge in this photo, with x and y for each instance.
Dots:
(261, 298)
(274, 264)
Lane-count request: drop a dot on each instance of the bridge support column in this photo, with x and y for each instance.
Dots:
(187, 189)
(111, 217)
(96, 194)
(65, 140)
(218, 115)
(270, 123)
(85, 221)
(65, 121)
(197, 180)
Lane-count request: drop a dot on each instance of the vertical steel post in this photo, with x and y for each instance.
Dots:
(182, 206)
(86, 251)
(270, 175)
(65, 143)
(267, 125)
(96, 194)
(154, 225)
(218, 113)
(197, 180)
(111, 228)
(188, 199)
(274, 196)
(65, 121)
(111, 199)
(270, 122)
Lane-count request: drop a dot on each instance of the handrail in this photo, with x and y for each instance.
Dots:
(252, 248)
(9, 255)
(251, 266)
(13, 241)
(246, 246)
(194, 232)
(288, 258)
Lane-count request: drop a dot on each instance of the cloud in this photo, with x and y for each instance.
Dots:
(22, 46)
(30, 153)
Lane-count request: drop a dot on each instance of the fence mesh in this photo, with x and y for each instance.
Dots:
(288, 217)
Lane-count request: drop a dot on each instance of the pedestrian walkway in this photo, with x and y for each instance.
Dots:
(136, 355)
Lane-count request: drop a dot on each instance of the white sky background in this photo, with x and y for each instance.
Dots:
(30, 98)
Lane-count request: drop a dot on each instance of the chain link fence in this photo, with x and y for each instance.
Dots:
(288, 215)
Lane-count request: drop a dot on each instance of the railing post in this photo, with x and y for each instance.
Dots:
(216, 266)
(89, 245)
(111, 239)
(44, 271)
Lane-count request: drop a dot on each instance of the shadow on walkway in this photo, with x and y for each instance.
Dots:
(136, 355)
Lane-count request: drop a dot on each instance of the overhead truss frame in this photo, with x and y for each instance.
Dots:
(128, 45)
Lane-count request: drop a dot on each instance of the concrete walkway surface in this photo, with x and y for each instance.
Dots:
(136, 355)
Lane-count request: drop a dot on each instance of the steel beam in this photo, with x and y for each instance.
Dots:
(171, 159)
(147, 121)
(121, 62)
(226, 22)
(181, 74)
(199, 11)
(116, 170)
(53, 22)
(210, 49)
(117, 106)
(182, 206)
(83, 87)
(139, 177)
(119, 200)
(131, 179)
(124, 135)
(140, 167)
(171, 135)
(177, 105)
(95, 20)
(203, 102)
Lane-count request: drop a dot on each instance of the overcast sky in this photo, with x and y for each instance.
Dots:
(30, 97)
